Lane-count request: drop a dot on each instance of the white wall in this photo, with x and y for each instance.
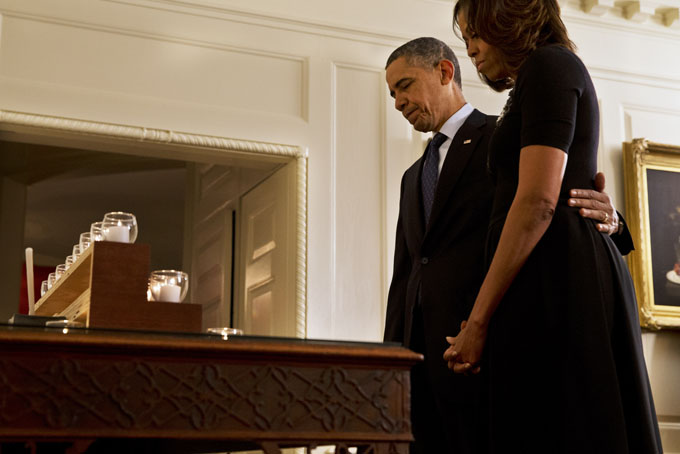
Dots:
(310, 73)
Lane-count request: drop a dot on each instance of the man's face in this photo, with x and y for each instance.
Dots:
(417, 94)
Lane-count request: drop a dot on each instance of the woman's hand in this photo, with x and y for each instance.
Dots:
(541, 170)
(597, 205)
(465, 352)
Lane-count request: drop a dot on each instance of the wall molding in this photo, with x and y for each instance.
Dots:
(635, 78)
(662, 24)
(143, 134)
(629, 107)
(337, 67)
(626, 15)
(670, 436)
(628, 110)
(174, 39)
(669, 81)
(252, 17)
(301, 252)
(69, 127)
(616, 21)
(384, 247)
(664, 13)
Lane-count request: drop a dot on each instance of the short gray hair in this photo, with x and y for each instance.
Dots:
(427, 53)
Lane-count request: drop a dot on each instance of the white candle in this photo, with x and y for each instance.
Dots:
(118, 234)
(29, 281)
(170, 293)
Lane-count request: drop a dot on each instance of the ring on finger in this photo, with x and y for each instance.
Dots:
(606, 218)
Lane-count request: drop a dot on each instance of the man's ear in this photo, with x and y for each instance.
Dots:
(446, 71)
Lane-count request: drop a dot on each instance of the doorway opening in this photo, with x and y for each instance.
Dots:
(232, 213)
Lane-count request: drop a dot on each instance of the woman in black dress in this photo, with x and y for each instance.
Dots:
(554, 327)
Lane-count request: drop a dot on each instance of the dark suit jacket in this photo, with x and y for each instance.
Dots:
(443, 261)
(440, 266)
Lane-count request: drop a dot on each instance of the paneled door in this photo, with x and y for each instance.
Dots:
(209, 239)
(267, 243)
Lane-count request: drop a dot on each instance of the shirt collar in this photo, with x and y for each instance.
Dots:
(453, 124)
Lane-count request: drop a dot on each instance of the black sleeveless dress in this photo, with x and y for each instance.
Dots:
(565, 365)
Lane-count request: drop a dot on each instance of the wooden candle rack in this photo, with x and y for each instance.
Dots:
(106, 288)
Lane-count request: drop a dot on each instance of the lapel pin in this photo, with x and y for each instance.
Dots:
(467, 141)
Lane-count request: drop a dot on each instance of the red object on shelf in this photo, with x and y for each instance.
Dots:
(40, 274)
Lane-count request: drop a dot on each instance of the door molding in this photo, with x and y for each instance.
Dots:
(165, 143)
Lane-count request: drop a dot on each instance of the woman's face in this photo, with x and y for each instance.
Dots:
(486, 58)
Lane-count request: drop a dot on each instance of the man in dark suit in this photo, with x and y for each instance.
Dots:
(441, 232)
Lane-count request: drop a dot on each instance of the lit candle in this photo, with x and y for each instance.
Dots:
(170, 293)
(118, 234)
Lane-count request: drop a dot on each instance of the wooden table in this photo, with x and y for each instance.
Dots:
(91, 390)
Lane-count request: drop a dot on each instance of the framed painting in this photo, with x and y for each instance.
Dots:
(652, 181)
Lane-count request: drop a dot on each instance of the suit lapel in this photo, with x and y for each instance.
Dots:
(415, 199)
(460, 150)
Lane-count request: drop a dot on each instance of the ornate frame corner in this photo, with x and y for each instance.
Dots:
(639, 156)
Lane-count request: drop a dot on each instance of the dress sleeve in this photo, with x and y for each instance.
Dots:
(549, 86)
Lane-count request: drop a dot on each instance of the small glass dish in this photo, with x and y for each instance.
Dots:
(64, 325)
(225, 332)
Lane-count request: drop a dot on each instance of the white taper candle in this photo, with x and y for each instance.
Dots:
(29, 281)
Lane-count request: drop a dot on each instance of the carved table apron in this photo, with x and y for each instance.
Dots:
(185, 393)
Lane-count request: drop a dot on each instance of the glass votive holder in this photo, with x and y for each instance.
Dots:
(70, 260)
(120, 227)
(51, 279)
(43, 288)
(85, 241)
(76, 251)
(59, 271)
(168, 286)
(97, 231)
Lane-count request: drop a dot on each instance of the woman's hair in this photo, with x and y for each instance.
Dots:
(514, 27)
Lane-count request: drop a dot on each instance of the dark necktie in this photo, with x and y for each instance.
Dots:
(431, 172)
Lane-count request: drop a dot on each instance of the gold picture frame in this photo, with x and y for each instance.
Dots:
(652, 182)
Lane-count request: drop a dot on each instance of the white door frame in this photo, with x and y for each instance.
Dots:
(142, 141)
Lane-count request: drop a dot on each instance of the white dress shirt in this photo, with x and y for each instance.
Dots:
(450, 129)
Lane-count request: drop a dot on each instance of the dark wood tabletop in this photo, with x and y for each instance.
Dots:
(87, 389)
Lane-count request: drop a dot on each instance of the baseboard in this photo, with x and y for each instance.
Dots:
(670, 437)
